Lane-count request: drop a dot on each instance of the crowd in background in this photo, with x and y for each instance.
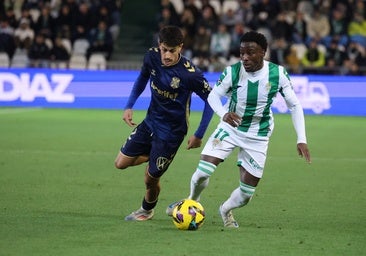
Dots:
(319, 36)
(306, 36)
(46, 30)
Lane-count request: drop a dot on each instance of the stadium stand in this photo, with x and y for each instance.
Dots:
(288, 21)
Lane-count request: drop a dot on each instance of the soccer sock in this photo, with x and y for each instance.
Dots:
(200, 179)
(147, 206)
(239, 197)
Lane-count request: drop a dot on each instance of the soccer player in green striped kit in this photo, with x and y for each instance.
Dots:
(246, 123)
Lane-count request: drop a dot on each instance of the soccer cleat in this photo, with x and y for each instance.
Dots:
(170, 208)
(140, 215)
(228, 219)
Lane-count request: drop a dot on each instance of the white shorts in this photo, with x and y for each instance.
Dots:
(252, 149)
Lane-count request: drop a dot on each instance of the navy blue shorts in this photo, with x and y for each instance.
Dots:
(143, 142)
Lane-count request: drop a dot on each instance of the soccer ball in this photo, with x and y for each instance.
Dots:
(188, 214)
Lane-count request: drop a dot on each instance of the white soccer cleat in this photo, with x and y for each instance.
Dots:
(228, 219)
(140, 215)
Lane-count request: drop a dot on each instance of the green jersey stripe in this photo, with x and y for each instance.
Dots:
(273, 87)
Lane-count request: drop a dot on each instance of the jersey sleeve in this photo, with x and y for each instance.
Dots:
(293, 104)
(139, 84)
(221, 89)
(202, 90)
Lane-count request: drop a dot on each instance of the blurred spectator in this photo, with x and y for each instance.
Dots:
(318, 26)
(299, 28)
(165, 18)
(7, 42)
(216, 64)
(229, 19)
(10, 16)
(338, 26)
(356, 53)
(236, 34)
(313, 58)
(191, 5)
(83, 22)
(293, 62)
(173, 14)
(188, 22)
(45, 23)
(278, 51)
(25, 14)
(100, 40)
(357, 29)
(201, 63)
(58, 51)
(105, 15)
(24, 35)
(64, 22)
(208, 20)
(32, 4)
(220, 42)
(205, 4)
(187, 44)
(335, 54)
(265, 13)
(39, 53)
(360, 7)
(201, 44)
(73, 6)
(245, 13)
(281, 28)
(352, 69)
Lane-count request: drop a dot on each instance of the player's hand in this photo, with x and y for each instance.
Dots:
(303, 151)
(127, 117)
(194, 142)
(232, 118)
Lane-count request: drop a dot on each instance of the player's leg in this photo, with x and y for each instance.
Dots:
(136, 149)
(161, 156)
(219, 145)
(251, 161)
(200, 178)
(149, 201)
(122, 161)
(239, 197)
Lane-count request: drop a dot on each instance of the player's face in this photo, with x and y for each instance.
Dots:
(251, 55)
(169, 55)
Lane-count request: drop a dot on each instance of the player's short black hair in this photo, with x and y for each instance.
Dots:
(171, 36)
(253, 36)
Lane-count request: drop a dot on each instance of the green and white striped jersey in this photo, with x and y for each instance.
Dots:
(250, 95)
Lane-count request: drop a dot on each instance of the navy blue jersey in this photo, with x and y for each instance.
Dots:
(171, 89)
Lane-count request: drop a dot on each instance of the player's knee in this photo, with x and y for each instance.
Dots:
(120, 165)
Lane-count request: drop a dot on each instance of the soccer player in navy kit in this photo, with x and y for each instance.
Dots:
(158, 137)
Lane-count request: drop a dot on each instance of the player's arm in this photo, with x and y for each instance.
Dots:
(220, 90)
(138, 87)
(195, 140)
(298, 119)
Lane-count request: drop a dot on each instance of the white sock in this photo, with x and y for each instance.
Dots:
(239, 197)
(200, 179)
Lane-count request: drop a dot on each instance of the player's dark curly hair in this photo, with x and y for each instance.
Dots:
(253, 36)
(171, 36)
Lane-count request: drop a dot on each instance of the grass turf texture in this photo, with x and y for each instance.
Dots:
(61, 195)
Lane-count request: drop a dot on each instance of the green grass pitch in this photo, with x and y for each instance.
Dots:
(61, 195)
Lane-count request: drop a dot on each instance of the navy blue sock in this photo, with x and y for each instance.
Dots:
(148, 206)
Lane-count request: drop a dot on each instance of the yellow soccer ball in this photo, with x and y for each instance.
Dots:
(188, 214)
